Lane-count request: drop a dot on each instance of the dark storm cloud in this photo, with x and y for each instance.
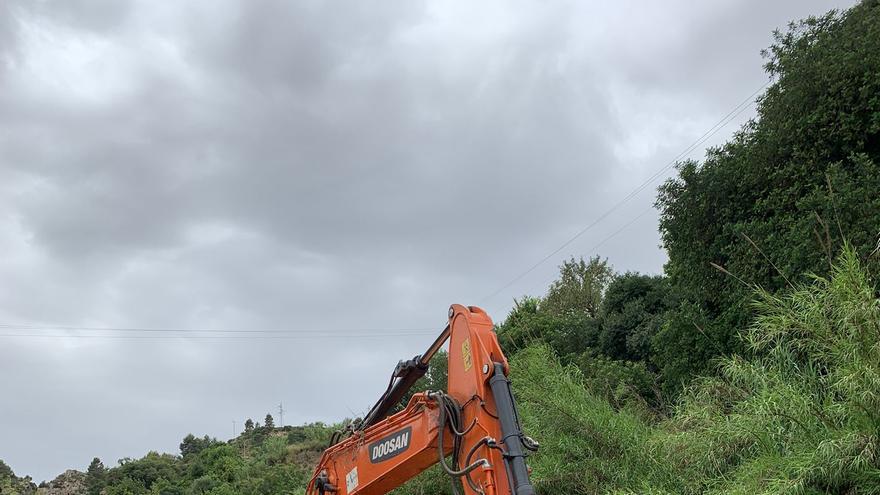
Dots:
(318, 165)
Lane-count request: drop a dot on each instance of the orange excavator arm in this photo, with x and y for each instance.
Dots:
(474, 421)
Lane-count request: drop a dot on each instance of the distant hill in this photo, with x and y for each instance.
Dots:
(262, 460)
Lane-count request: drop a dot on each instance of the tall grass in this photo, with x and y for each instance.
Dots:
(801, 416)
(586, 445)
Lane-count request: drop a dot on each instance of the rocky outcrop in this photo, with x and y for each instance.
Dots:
(71, 482)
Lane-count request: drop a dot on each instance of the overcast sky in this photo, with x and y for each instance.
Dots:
(338, 173)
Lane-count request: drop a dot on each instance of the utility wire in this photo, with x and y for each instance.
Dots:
(607, 238)
(729, 117)
(204, 334)
(405, 331)
(288, 334)
(206, 337)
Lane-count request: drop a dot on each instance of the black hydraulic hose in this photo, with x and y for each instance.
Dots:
(474, 486)
(466, 430)
(453, 472)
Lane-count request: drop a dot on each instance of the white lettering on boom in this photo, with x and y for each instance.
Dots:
(391, 446)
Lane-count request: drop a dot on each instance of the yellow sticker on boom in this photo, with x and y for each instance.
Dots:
(466, 355)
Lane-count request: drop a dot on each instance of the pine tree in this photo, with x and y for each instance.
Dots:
(270, 422)
(249, 425)
(192, 444)
(95, 477)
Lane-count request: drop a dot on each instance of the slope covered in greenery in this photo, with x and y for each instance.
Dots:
(10, 483)
(802, 416)
(751, 365)
(262, 460)
(776, 202)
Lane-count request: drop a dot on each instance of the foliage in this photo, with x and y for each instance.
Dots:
(623, 384)
(612, 346)
(580, 287)
(586, 445)
(804, 414)
(13, 485)
(96, 477)
(193, 445)
(144, 472)
(774, 203)
(259, 462)
(567, 334)
(6, 471)
(632, 313)
(801, 416)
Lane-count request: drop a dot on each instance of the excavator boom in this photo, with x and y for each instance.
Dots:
(474, 421)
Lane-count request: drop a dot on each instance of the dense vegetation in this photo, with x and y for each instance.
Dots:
(800, 417)
(751, 366)
(263, 460)
(774, 204)
(10, 483)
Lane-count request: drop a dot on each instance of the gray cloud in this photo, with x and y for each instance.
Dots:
(314, 166)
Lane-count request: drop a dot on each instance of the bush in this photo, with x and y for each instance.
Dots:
(801, 416)
(804, 416)
(586, 445)
(568, 335)
(796, 181)
(624, 384)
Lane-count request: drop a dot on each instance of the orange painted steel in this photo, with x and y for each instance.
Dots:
(388, 453)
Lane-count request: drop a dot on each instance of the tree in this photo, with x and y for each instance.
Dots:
(6, 471)
(192, 444)
(136, 476)
(270, 422)
(567, 334)
(523, 309)
(96, 476)
(631, 314)
(249, 425)
(579, 288)
(13, 485)
(566, 318)
(772, 205)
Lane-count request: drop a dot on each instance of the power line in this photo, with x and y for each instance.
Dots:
(603, 241)
(729, 117)
(614, 234)
(288, 334)
(25, 326)
(210, 337)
